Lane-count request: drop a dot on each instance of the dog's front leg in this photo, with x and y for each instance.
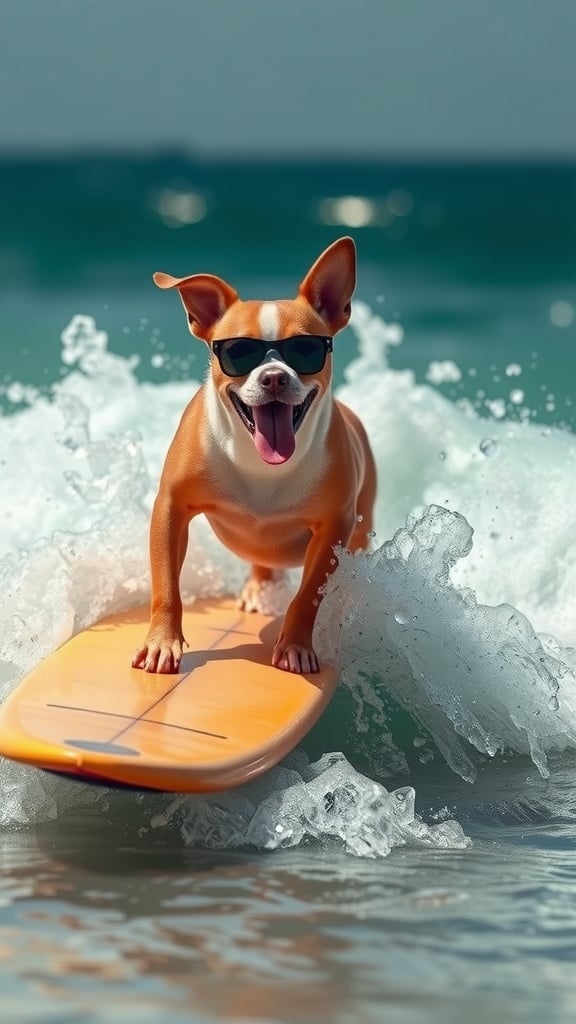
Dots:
(293, 650)
(162, 649)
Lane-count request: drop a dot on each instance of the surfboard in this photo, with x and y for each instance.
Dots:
(225, 718)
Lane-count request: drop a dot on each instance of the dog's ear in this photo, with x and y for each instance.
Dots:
(205, 298)
(329, 285)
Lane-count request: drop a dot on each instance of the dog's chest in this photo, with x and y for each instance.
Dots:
(263, 521)
(262, 496)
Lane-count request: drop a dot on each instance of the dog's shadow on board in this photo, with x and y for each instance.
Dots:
(259, 651)
(250, 653)
(253, 653)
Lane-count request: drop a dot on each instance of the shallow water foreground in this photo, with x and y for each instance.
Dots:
(107, 915)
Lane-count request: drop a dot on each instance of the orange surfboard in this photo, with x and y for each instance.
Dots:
(225, 718)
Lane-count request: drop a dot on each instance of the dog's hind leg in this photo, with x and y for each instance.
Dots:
(266, 590)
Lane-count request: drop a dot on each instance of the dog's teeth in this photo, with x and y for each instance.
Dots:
(301, 410)
(245, 412)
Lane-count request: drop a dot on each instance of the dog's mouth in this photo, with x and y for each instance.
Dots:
(273, 425)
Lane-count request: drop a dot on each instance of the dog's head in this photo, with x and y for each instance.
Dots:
(271, 362)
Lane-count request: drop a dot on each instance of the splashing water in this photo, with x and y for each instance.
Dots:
(460, 668)
(328, 800)
(444, 626)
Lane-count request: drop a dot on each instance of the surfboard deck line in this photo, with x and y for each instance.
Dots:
(143, 718)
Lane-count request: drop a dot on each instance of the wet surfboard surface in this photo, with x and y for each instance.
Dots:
(225, 718)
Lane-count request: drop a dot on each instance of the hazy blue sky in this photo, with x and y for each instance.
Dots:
(383, 76)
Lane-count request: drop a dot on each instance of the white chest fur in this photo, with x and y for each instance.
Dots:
(240, 475)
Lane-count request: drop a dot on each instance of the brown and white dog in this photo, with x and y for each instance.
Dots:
(282, 471)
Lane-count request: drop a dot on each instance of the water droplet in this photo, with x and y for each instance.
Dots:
(553, 703)
(497, 407)
(442, 456)
(419, 741)
(488, 447)
(360, 519)
(400, 202)
(562, 313)
(513, 370)
(402, 616)
(517, 396)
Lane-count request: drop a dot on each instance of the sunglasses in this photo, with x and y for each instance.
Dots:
(306, 353)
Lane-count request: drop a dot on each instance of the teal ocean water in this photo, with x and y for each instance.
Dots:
(414, 860)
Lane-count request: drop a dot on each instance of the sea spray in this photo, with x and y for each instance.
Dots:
(465, 671)
(512, 481)
(325, 801)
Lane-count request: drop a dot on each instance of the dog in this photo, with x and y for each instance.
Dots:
(282, 470)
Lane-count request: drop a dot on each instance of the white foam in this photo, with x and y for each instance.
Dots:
(328, 801)
(465, 671)
(447, 628)
(519, 503)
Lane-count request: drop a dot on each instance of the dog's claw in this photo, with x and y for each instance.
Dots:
(159, 659)
(295, 658)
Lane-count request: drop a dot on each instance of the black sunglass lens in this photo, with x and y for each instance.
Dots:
(240, 357)
(305, 355)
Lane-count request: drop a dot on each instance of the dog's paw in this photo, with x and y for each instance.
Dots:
(161, 657)
(294, 658)
(269, 596)
(249, 597)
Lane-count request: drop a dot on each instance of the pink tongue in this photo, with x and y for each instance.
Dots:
(274, 434)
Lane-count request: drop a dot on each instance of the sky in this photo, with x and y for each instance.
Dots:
(227, 77)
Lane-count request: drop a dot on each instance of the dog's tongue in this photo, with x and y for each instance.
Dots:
(273, 434)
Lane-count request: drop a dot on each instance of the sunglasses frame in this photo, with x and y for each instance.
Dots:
(272, 346)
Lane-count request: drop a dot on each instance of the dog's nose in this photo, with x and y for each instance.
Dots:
(274, 380)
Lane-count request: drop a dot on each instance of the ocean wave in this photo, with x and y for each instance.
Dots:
(462, 614)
